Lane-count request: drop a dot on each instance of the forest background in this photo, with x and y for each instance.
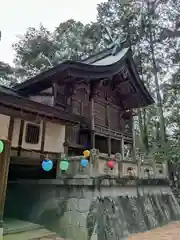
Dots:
(152, 28)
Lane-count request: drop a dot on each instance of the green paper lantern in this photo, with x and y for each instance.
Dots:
(64, 164)
(1, 146)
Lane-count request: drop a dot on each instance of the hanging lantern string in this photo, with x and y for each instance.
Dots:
(45, 156)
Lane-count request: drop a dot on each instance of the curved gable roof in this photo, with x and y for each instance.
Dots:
(85, 67)
(104, 67)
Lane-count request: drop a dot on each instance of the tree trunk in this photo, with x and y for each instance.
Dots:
(155, 73)
(143, 129)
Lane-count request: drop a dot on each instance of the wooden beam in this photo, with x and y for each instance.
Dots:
(27, 106)
(20, 137)
(11, 128)
(4, 169)
(43, 138)
(109, 146)
(44, 94)
(66, 145)
(33, 116)
(33, 150)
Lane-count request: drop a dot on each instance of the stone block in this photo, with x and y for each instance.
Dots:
(83, 205)
(72, 204)
(74, 227)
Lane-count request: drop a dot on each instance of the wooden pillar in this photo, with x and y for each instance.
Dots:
(20, 137)
(92, 122)
(108, 125)
(43, 139)
(122, 147)
(4, 170)
(109, 146)
(134, 139)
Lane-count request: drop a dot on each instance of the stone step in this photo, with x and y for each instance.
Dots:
(22, 230)
(38, 234)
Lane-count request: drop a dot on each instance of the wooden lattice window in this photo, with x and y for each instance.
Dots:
(32, 133)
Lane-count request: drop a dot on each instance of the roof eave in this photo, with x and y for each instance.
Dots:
(38, 108)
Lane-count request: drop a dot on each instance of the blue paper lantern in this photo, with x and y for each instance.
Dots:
(84, 162)
(47, 165)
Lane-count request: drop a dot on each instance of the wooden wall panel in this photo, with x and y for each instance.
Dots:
(100, 114)
(114, 116)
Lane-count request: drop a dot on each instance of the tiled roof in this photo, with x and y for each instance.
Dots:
(8, 91)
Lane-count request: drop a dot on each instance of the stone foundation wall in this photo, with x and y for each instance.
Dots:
(88, 212)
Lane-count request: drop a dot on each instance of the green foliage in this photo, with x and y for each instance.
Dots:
(40, 49)
(7, 76)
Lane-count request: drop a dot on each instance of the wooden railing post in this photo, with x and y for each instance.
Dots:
(4, 170)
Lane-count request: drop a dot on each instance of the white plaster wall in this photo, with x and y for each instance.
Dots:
(54, 137)
(4, 126)
(48, 100)
(16, 129)
(48, 90)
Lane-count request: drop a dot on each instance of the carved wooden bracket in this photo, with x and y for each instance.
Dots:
(124, 73)
(94, 87)
(127, 114)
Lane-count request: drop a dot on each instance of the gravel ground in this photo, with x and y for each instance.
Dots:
(168, 232)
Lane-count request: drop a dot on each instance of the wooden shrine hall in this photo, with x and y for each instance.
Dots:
(103, 89)
(69, 108)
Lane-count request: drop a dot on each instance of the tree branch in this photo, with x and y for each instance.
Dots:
(167, 33)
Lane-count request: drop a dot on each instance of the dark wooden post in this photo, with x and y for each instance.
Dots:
(122, 147)
(4, 170)
(108, 125)
(109, 146)
(92, 120)
(43, 139)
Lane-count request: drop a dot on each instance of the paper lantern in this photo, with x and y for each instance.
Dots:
(110, 164)
(84, 162)
(86, 153)
(47, 165)
(64, 164)
(1, 146)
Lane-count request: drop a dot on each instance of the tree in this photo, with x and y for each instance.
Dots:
(40, 49)
(34, 50)
(149, 26)
(7, 75)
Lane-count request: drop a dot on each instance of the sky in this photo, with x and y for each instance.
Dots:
(17, 15)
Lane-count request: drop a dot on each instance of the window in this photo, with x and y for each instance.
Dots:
(32, 133)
